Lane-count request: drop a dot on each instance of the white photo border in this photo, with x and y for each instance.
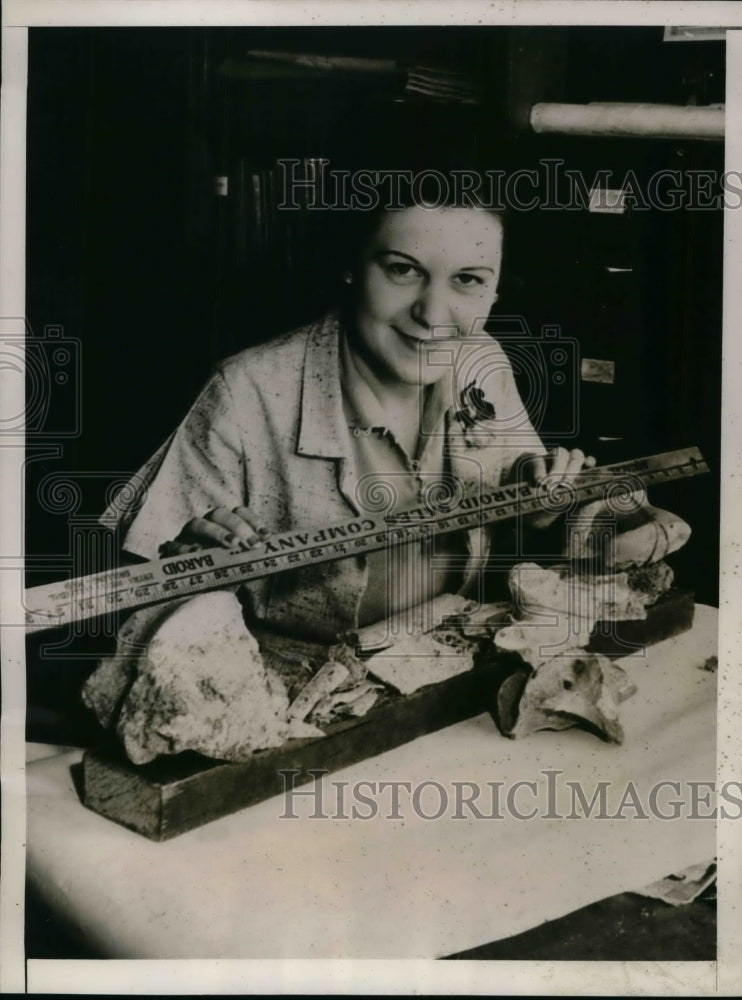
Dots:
(723, 978)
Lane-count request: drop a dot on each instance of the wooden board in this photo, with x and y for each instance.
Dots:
(671, 615)
(174, 794)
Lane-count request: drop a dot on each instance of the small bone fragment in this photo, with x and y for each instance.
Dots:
(417, 661)
(616, 537)
(581, 689)
(559, 590)
(355, 701)
(325, 681)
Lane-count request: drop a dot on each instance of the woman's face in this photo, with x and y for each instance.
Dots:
(425, 276)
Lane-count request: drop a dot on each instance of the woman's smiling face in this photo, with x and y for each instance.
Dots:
(425, 275)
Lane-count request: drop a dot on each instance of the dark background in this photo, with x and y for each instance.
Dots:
(132, 253)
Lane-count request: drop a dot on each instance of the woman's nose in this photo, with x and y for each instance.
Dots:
(431, 307)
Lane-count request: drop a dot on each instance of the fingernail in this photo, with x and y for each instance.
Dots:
(263, 532)
(231, 540)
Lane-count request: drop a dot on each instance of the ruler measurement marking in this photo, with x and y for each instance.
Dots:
(87, 597)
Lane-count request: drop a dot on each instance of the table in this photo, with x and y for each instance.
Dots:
(260, 884)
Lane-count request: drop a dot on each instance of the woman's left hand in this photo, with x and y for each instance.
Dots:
(559, 463)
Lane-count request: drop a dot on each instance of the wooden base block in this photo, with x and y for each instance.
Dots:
(174, 794)
(671, 615)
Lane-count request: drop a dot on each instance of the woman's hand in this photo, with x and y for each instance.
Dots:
(559, 464)
(229, 528)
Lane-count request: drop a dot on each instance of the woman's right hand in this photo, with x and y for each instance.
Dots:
(229, 528)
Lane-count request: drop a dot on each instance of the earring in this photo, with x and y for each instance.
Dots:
(348, 277)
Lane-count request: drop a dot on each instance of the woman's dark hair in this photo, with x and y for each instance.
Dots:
(368, 195)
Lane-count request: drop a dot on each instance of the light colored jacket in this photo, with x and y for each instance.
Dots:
(268, 431)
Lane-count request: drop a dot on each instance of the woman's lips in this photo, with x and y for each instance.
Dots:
(426, 338)
(413, 341)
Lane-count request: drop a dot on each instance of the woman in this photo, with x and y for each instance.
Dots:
(387, 398)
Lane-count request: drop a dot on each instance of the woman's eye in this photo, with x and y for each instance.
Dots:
(466, 280)
(400, 271)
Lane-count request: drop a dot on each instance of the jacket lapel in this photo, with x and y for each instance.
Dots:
(323, 431)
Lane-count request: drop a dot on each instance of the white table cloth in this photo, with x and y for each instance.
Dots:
(256, 885)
